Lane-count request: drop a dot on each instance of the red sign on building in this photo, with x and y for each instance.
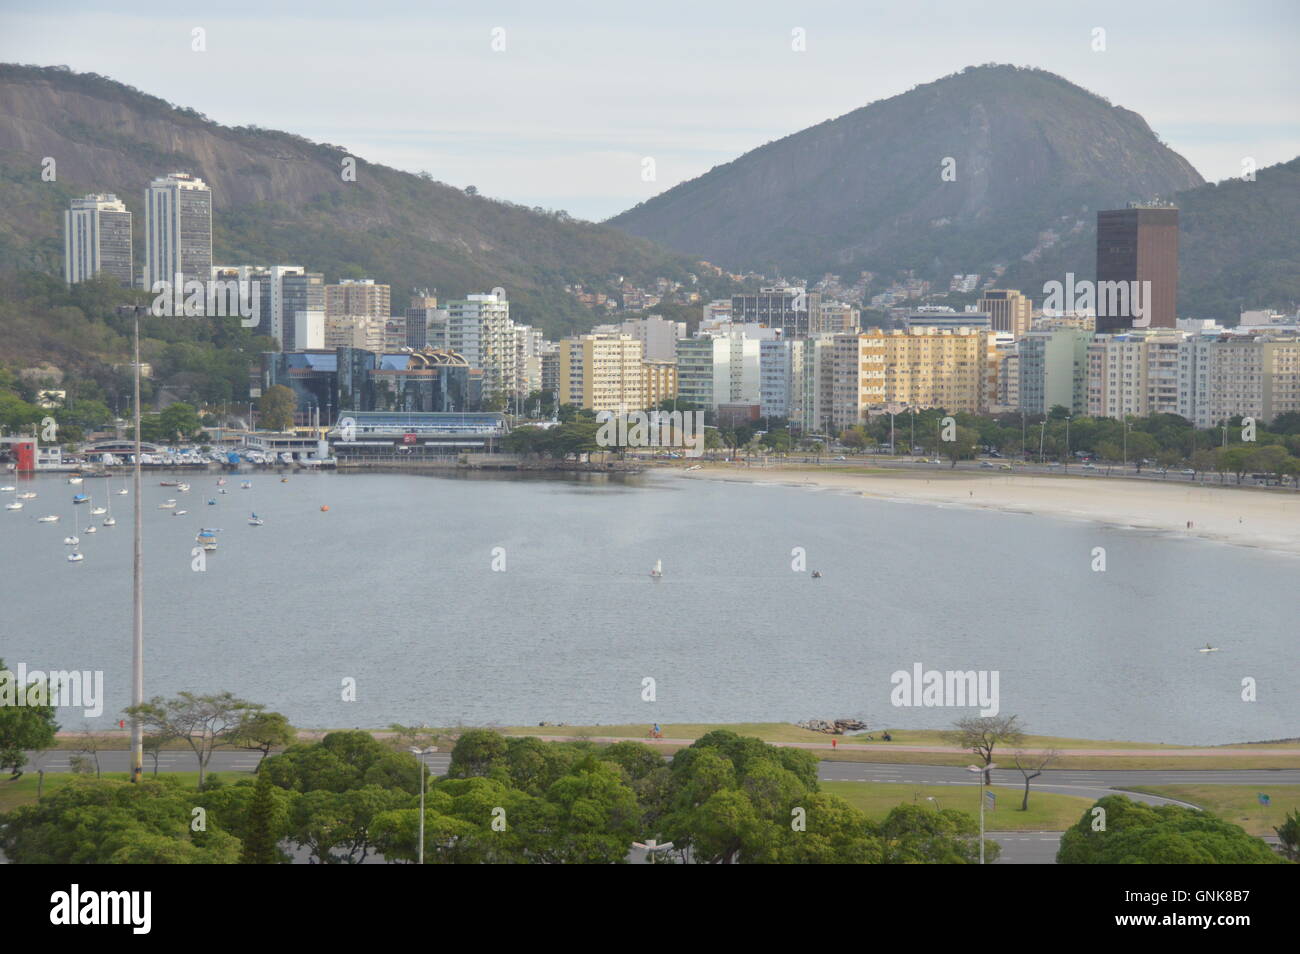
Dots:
(408, 438)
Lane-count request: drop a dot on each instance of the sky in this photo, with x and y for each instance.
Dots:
(558, 103)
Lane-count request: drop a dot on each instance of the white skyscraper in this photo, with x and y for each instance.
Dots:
(97, 238)
(178, 229)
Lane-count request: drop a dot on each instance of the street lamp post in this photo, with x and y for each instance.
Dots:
(982, 771)
(420, 754)
(1067, 441)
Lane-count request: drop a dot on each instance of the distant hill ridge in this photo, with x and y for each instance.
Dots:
(1033, 158)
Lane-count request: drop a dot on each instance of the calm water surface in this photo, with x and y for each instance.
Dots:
(394, 587)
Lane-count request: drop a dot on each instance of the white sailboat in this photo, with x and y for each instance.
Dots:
(169, 505)
(48, 518)
(7, 490)
(658, 572)
(1208, 649)
(109, 521)
(74, 480)
(14, 505)
(75, 556)
(73, 539)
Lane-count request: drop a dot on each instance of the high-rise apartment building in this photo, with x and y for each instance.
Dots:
(792, 309)
(1008, 310)
(1134, 374)
(952, 369)
(303, 310)
(1223, 376)
(367, 332)
(1054, 370)
(1137, 244)
(425, 322)
(97, 240)
(858, 378)
(358, 296)
(603, 372)
(780, 369)
(178, 230)
(479, 327)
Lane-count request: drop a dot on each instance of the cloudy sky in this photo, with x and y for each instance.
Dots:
(557, 102)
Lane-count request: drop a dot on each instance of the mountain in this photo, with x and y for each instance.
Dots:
(1033, 159)
(281, 198)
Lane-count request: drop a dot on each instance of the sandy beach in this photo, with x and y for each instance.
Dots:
(1265, 519)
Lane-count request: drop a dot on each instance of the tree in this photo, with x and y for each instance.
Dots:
(477, 753)
(259, 842)
(982, 734)
(262, 731)
(1031, 765)
(206, 723)
(276, 408)
(179, 421)
(26, 720)
(1288, 834)
(1134, 833)
(963, 444)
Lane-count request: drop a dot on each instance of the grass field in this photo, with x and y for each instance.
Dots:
(1238, 804)
(1047, 811)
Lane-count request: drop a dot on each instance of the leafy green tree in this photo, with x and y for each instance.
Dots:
(1136, 833)
(1288, 834)
(204, 722)
(262, 731)
(276, 407)
(26, 720)
(179, 421)
(478, 752)
(105, 821)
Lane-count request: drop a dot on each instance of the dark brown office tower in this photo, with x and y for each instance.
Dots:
(1137, 244)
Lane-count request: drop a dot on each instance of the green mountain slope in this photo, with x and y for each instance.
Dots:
(280, 198)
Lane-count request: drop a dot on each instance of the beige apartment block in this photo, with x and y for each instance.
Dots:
(603, 372)
(358, 297)
(356, 331)
(928, 367)
(1009, 310)
(660, 382)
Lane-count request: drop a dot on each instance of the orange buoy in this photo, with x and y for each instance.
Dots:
(324, 507)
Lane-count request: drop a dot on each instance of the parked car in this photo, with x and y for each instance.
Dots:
(1004, 466)
(987, 463)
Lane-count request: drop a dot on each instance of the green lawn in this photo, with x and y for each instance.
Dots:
(1238, 804)
(1047, 811)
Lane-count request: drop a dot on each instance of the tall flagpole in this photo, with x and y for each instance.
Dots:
(137, 646)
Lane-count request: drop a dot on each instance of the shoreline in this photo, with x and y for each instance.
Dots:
(1257, 520)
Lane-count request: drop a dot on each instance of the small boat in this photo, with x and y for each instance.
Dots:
(91, 529)
(168, 483)
(284, 480)
(80, 499)
(14, 506)
(180, 513)
(817, 574)
(48, 518)
(207, 539)
(1208, 649)
(71, 541)
(658, 572)
(221, 481)
(212, 501)
(74, 479)
(254, 520)
(183, 488)
(98, 511)
(223, 490)
(246, 485)
(6, 490)
(169, 505)
(29, 495)
(110, 522)
(123, 492)
(75, 557)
